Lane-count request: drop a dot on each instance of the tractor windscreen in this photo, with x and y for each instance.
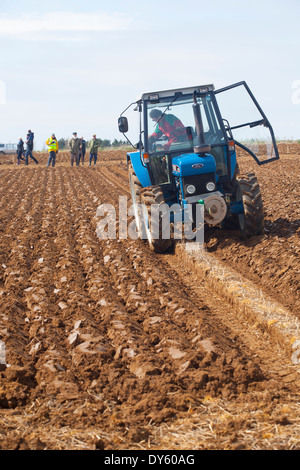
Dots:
(171, 124)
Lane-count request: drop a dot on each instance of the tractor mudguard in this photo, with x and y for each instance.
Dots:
(139, 168)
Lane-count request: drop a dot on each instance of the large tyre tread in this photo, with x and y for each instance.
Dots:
(253, 205)
(154, 196)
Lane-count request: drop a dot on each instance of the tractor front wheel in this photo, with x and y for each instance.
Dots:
(251, 222)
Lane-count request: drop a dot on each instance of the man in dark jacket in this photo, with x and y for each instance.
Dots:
(20, 151)
(82, 150)
(29, 147)
(75, 147)
(94, 147)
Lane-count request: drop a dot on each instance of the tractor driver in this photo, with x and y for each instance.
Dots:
(168, 125)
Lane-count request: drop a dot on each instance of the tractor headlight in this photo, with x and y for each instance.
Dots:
(210, 186)
(190, 189)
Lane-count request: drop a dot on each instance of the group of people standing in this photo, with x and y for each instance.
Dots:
(77, 147)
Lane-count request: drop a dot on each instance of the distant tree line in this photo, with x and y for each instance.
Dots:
(104, 143)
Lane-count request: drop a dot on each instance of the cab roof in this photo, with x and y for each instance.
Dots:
(154, 95)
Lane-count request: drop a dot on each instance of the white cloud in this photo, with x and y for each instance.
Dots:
(63, 21)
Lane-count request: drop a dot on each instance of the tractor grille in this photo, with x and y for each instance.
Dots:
(199, 181)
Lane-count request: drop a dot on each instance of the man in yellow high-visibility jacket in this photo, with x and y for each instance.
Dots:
(52, 149)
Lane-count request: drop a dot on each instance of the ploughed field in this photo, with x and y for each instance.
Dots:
(111, 346)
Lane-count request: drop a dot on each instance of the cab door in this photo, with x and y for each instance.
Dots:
(246, 122)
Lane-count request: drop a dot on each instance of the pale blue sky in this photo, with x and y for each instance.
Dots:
(75, 65)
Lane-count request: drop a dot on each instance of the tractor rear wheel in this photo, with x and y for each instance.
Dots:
(251, 222)
(156, 221)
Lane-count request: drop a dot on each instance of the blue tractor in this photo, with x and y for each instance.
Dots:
(186, 156)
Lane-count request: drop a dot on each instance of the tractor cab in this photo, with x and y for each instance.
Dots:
(187, 148)
(172, 130)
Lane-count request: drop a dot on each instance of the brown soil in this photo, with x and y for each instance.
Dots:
(109, 346)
